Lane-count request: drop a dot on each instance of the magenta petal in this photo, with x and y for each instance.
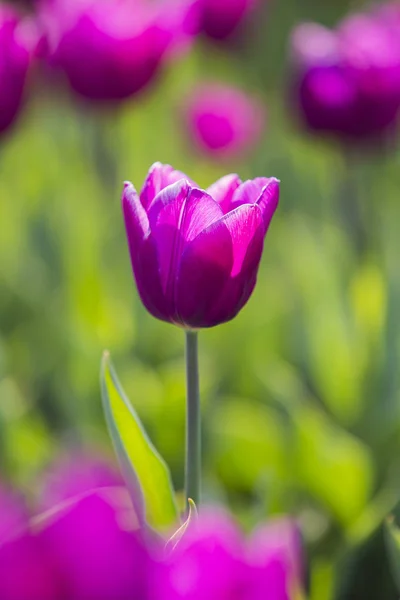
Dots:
(177, 215)
(204, 271)
(14, 514)
(275, 553)
(96, 555)
(26, 571)
(136, 221)
(143, 253)
(247, 234)
(207, 563)
(75, 474)
(222, 191)
(218, 269)
(249, 191)
(159, 177)
(268, 201)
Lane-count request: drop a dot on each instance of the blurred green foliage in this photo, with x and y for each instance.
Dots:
(300, 393)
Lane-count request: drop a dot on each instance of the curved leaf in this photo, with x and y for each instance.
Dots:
(146, 474)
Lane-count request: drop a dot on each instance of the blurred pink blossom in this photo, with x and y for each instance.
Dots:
(223, 122)
(346, 82)
(109, 50)
(17, 44)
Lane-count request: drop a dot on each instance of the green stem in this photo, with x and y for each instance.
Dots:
(193, 420)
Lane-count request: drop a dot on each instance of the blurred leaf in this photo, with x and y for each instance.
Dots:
(364, 572)
(392, 538)
(174, 540)
(333, 465)
(146, 474)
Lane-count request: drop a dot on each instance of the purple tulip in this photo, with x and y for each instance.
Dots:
(221, 19)
(347, 82)
(223, 121)
(111, 49)
(16, 45)
(213, 561)
(195, 253)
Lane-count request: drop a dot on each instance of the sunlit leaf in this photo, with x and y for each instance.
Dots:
(146, 474)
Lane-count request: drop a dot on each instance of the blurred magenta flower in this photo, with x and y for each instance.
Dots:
(96, 550)
(16, 46)
(223, 121)
(347, 82)
(195, 253)
(111, 49)
(75, 474)
(91, 548)
(88, 548)
(13, 512)
(214, 561)
(221, 18)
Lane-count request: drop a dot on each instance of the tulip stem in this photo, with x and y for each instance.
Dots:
(193, 420)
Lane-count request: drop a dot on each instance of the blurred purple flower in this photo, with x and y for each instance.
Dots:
(111, 49)
(195, 253)
(75, 474)
(223, 121)
(14, 514)
(213, 561)
(16, 46)
(96, 550)
(221, 18)
(347, 82)
(92, 548)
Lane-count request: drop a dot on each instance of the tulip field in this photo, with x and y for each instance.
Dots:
(199, 300)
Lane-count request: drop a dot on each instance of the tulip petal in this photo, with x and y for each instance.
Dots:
(206, 564)
(279, 540)
(246, 228)
(268, 201)
(218, 269)
(275, 552)
(136, 221)
(159, 177)
(177, 215)
(223, 190)
(143, 253)
(95, 554)
(249, 191)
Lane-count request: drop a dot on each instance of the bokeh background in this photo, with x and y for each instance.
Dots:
(300, 393)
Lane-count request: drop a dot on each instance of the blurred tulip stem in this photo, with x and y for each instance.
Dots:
(193, 420)
(351, 202)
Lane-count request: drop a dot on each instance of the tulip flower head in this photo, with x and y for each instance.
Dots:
(223, 121)
(347, 81)
(195, 253)
(15, 59)
(109, 49)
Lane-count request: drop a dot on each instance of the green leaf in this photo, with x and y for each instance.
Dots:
(179, 533)
(392, 538)
(146, 474)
